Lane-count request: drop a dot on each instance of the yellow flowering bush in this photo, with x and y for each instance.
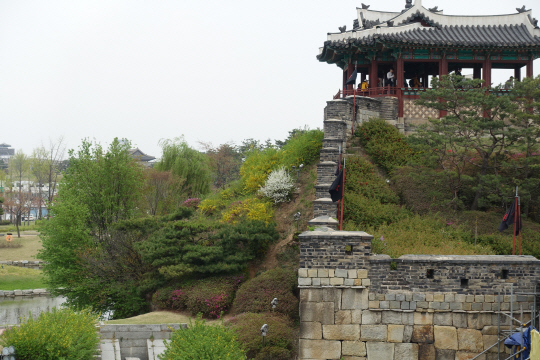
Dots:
(258, 166)
(250, 209)
(211, 206)
(59, 334)
(203, 342)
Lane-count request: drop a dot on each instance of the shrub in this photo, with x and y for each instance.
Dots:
(257, 166)
(210, 297)
(304, 148)
(273, 353)
(361, 179)
(256, 294)
(278, 186)
(201, 341)
(5, 222)
(385, 144)
(192, 203)
(59, 334)
(249, 209)
(211, 206)
(365, 212)
(280, 334)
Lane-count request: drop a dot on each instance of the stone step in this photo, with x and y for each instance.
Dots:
(326, 172)
(321, 190)
(324, 221)
(333, 142)
(325, 207)
(329, 154)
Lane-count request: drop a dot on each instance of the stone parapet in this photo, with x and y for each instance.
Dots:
(321, 190)
(24, 263)
(324, 221)
(326, 172)
(325, 248)
(329, 154)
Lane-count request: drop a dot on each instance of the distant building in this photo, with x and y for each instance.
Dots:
(6, 151)
(137, 154)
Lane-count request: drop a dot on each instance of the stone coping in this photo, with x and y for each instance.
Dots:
(28, 292)
(17, 262)
(521, 259)
(331, 287)
(330, 233)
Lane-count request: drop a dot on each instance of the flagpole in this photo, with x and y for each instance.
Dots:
(342, 197)
(519, 217)
(340, 200)
(515, 220)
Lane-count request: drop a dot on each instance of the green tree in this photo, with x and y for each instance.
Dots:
(476, 119)
(99, 188)
(19, 200)
(188, 164)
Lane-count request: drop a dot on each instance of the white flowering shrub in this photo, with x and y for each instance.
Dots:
(278, 186)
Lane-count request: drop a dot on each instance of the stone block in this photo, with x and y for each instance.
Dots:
(445, 306)
(479, 298)
(302, 272)
(459, 320)
(322, 273)
(350, 282)
(373, 332)
(470, 340)
(422, 334)
(341, 332)
(372, 296)
(312, 273)
(353, 358)
(419, 297)
(380, 351)
(478, 320)
(395, 304)
(422, 304)
(332, 295)
(477, 306)
(460, 298)
(490, 340)
(448, 298)
(456, 306)
(442, 354)
(412, 305)
(395, 333)
(319, 349)
(445, 337)
(489, 298)
(342, 317)
(467, 306)
(373, 304)
(405, 305)
(342, 273)
(442, 319)
(407, 333)
(464, 355)
(362, 274)
(356, 316)
(322, 312)
(310, 330)
(331, 273)
(366, 282)
(426, 352)
(438, 297)
(304, 281)
(423, 318)
(391, 317)
(429, 297)
(435, 305)
(390, 297)
(371, 317)
(400, 297)
(325, 281)
(336, 281)
(353, 348)
(407, 318)
(311, 295)
(352, 274)
(384, 304)
(354, 299)
(316, 281)
(486, 306)
(405, 351)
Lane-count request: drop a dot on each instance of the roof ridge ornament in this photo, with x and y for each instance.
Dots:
(434, 9)
(521, 10)
(408, 4)
(342, 28)
(365, 7)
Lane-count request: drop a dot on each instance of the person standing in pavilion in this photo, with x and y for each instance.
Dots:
(390, 77)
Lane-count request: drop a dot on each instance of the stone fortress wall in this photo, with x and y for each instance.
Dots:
(356, 305)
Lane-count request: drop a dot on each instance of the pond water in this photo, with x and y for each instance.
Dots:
(13, 308)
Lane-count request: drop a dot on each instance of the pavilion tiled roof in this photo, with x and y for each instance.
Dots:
(461, 36)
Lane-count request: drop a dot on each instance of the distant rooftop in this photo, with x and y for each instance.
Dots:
(139, 155)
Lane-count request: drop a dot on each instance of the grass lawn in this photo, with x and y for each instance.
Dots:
(31, 245)
(18, 278)
(161, 317)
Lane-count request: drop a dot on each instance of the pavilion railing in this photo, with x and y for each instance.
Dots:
(400, 92)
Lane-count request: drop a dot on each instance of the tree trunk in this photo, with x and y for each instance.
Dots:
(483, 172)
(17, 225)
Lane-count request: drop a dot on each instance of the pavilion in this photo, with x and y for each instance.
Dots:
(419, 42)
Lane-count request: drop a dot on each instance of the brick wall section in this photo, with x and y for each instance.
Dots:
(327, 249)
(389, 108)
(325, 207)
(133, 338)
(326, 173)
(34, 264)
(330, 154)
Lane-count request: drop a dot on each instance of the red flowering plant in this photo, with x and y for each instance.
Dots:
(192, 203)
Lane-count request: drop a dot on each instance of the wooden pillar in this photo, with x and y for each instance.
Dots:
(487, 72)
(530, 68)
(344, 81)
(400, 75)
(350, 69)
(373, 71)
(517, 73)
(444, 66)
(477, 74)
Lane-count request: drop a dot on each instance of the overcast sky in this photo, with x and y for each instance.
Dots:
(212, 70)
